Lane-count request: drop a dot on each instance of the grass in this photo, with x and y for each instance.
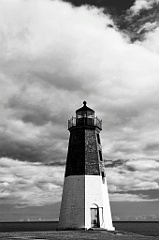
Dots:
(77, 235)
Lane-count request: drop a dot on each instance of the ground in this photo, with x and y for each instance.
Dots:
(77, 235)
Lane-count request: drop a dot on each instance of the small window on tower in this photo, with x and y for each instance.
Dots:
(103, 176)
(98, 138)
(100, 155)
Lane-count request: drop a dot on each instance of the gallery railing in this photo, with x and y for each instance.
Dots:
(85, 121)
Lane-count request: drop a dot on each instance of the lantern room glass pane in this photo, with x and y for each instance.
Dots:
(82, 114)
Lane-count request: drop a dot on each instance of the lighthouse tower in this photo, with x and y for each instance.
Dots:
(85, 200)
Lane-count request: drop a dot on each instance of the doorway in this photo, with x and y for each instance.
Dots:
(95, 218)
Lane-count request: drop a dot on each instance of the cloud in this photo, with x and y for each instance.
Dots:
(124, 197)
(143, 164)
(140, 20)
(143, 4)
(52, 60)
(35, 184)
(54, 56)
(133, 180)
(29, 184)
(41, 72)
(151, 41)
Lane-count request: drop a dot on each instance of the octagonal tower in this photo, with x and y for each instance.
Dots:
(85, 200)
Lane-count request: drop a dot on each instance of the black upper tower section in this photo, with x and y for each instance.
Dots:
(84, 155)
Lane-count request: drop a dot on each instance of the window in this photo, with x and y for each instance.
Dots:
(103, 176)
(98, 138)
(100, 155)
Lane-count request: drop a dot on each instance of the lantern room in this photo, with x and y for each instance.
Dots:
(85, 117)
(84, 112)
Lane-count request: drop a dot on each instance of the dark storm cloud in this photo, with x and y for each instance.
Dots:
(40, 152)
(141, 19)
(119, 163)
(111, 5)
(135, 18)
(115, 163)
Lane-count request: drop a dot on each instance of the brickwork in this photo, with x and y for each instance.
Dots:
(83, 156)
(91, 153)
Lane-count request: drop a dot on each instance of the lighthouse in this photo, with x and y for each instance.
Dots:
(85, 201)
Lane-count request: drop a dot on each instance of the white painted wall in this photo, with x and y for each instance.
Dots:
(80, 193)
(72, 207)
(96, 193)
(107, 210)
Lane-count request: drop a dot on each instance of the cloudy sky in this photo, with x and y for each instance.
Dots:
(54, 55)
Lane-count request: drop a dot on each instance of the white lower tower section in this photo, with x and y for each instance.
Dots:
(72, 213)
(85, 203)
(97, 201)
